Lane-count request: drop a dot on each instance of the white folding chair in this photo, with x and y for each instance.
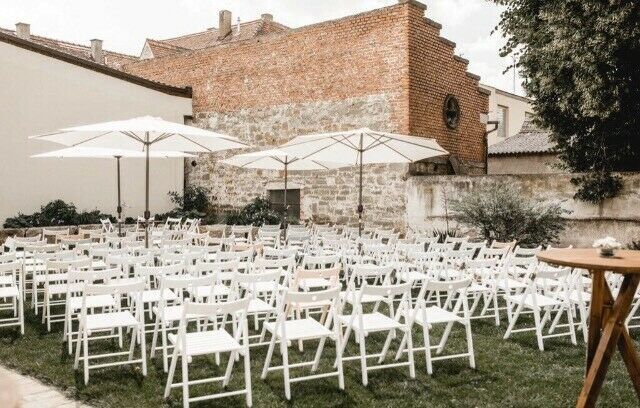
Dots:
(285, 330)
(428, 316)
(112, 319)
(364, 324)
(76, 281)
(188, 345)
(536, 300)
(168, 313)
(263, 288)
(11, 298)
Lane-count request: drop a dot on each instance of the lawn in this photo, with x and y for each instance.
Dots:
(509, 373)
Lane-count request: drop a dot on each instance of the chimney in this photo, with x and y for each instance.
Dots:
(96, 51)
(23, 30)
(267, 17)
(238, 27)
(224, 24)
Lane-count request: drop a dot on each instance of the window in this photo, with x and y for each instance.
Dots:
(503, 121)
(276, 198)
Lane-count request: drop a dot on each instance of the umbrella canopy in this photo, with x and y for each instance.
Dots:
(363, 146)
(275, 159)
(136, 133)
(146, 134)
(80, 152)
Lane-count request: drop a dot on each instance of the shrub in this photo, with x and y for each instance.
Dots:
(56, 213)
(194, 203)
(256, 213)
(501, 212)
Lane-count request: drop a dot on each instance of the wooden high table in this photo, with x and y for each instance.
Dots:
(607, 316)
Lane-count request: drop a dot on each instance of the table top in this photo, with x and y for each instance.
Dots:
(625, 261)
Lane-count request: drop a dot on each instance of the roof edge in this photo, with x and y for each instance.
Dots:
(103, 69)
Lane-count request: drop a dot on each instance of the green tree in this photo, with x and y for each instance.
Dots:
(581, 64)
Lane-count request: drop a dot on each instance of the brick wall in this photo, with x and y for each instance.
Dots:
(385, 69)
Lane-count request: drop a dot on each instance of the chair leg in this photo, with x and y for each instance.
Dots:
(21, 315)
(227, 373)
(513, 319)
(78, 346)
(154, 339)
(472, 357)
(427, 348)
(284, 350)
(267, 360)
(185, 381)
(172, 371)
(536, 318)
(363, 358)
(247, 375)
(316, 359)
(85, 340)
(412, 364)
(143, 349)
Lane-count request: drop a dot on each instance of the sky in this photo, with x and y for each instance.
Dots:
(124, 25)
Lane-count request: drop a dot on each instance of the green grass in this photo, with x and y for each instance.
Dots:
(509, 373)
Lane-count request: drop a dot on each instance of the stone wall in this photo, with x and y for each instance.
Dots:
(619, 217)
(325, 195)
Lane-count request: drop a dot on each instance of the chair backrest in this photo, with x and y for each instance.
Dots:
(291, 296)
(176, 283)
(65, 265)
(91, 277)
(54, 234)
(499, 253)
(265, 265)
(506, 244)
(8, 257)
(388, 291)
(368, 273)
(441, 247)
(250, 281)
(153, 273)
(272, 253)
(214, 311)
(214, 268)
(172, 223)
(107, 226)
(330, 274)
(460, 255)
(11, 269)
(319, 261)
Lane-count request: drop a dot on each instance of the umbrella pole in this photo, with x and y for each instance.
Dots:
(147, 214)
(360, 207)
(119, 209)
(286, 210)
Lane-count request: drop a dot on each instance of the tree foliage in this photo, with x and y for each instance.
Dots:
(256, 213)
(581, 64)
(501, 212)
(56, 213)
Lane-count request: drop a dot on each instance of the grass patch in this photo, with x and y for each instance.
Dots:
(510, 373)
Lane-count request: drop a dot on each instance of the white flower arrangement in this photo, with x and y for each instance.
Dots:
(607, 246)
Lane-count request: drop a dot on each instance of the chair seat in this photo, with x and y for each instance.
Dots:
(371, 322)
(352, 296)
(259, 306)
(301, 329)
(9, 292)
(451, 274)
(153, 295)
(100, 321)
(93, 301)
(527, 299)
(437, 314)
(207, 342)
(202, 292)
(510, 284)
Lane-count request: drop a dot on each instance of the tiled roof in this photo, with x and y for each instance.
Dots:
(111, 58)
(530, 139)
(209, 38)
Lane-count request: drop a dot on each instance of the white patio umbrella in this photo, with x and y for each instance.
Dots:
(80, 152)
(274, 159)
(363, 146)
(144, 134)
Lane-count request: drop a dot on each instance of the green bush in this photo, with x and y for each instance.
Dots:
(501, 212)
(56, 213)
(194, 203)
(256, 213)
